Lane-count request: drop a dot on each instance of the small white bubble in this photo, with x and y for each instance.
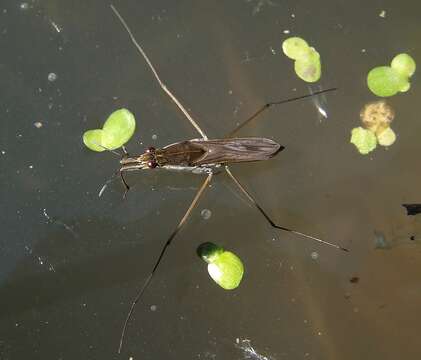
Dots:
(38, 124)
(52, 77)
(153, 307)
(24, 6)
(206, 214)
(154, 137)
(314, 255)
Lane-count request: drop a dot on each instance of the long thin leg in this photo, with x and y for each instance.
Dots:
(271, 222)
(161, 84)
(268, 105)
(161, 255)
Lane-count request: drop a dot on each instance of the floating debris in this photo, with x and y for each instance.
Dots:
(382, 14)
(38, 124)
(380, 241)
(354, 280)
(377, 116)
(412, 209)
(249, 351)
(314, 255)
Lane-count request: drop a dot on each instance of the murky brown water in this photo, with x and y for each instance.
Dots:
(70, 263)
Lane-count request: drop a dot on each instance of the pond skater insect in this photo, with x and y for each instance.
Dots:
(202, 156)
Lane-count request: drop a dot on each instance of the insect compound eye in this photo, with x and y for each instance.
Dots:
(152, 164)
(150, 150)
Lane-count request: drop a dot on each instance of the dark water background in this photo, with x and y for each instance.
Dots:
(67, 278)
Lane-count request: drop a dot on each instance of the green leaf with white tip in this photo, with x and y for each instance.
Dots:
(295, 48)
(364, 140)
(404, 64)
(226, 270)
(385, 81)
(92, 139)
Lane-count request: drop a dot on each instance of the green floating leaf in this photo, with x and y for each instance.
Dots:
(117, 130)
(92, 139)
(309, 68)
(385, 81)
(386, 137)
(404, 64)
(295, 48)
(364, 140)
(307, 64)
(224, 267)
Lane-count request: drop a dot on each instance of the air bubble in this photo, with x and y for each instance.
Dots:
(206, 214)
(52, 77)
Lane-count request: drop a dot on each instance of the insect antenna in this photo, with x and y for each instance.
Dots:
(155, 73)
(268, 105)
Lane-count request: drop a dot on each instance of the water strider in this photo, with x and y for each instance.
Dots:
(202, 156)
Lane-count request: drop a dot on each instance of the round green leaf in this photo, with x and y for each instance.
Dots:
(385, 81)
(386, 137)
(226, 270)
(364, 140)
(118, 129)
(404, 64)
(92, 139)
(295, 48)
(309, 68)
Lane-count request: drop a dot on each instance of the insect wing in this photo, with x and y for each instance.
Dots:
(224, 151)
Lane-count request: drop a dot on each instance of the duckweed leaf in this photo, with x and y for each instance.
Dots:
(385, 81)
(227, 270)
(309, 68)
(364, 140)
(404, 64)
(92, 139)
(117, 130)
(307, 64)
(224, 267)
(386, 137)
(295, 48)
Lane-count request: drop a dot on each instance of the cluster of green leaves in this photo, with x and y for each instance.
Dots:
(117, 130)
(376, 118)
(224, 267)
(307, 60)
(386, 81)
